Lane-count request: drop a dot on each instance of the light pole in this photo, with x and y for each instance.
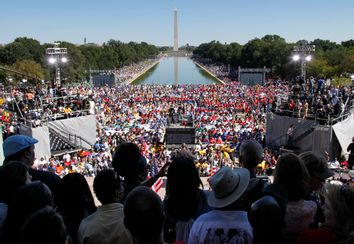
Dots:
(302, 53)
(57, 55)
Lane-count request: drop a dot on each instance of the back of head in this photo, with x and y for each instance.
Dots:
(12, 176)
(291, 172)
(33, 196)
(107, 185)
(251, 154)
(74, 194)
(183, 182)
(126, 159)
(27, 200)
(341, 200)
(42, 227)
(144, 215)
(182, 171)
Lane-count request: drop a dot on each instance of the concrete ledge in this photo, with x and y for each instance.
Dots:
(141, 73)
(206, 70)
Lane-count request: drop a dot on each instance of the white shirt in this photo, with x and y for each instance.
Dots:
(219, 226)
(67, 157)
(104, 226)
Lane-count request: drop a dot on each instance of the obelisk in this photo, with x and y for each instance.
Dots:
(175, 36)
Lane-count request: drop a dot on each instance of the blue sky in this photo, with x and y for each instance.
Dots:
(152, 20)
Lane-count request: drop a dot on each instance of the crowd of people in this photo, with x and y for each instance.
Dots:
(129, 72)
(141, 113)
(297, 206)
(130, 155)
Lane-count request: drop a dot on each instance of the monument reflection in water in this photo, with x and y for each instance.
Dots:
(176, 70)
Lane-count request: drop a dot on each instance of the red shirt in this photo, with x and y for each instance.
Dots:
(323, 236)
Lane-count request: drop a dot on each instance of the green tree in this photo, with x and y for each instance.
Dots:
(348, 44)
(92, 55)
(29, 68)
(13, 52)
(320, 68)
(324, 45)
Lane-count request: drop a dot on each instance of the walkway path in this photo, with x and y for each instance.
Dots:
(128, 82)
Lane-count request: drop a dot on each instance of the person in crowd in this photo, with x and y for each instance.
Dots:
(339, 214)
(74, 202)
(27, 200)
(144, 216)
(319, 172)
(228, 223)
(130, 164)
(351, 155)
(251, 154)
(106, 224)
(43, 227)
(12, 177)
(21, 148)
(351, 177)
(267, 214)
(185, 201)
(291, 173)
(290, 133)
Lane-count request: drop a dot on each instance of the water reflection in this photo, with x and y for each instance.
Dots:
(176, 70)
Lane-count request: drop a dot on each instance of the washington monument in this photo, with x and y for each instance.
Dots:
(175, 36)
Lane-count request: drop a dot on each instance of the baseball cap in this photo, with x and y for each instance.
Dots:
(16, 143)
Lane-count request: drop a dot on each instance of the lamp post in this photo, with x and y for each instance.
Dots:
(302, 53)
(56, 56)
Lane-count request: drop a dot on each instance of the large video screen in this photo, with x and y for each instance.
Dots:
(180, 135)
(251, 78)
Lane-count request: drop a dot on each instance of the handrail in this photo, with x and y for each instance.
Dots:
(51, 131)
(330, 120)
(345, 105)
(80, 138)
(18, 108)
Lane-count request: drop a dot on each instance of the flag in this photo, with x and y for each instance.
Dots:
(158, 184)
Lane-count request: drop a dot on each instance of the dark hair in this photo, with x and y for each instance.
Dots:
(251, 154)
(106, 186)
(182, 187)
(144, 215)
(74, 201)
(291, 172)
(129, 163)
(27, 200)
(126, 159)
(13, 175)
(42, 227)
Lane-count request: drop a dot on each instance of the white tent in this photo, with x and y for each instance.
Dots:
(344, 131)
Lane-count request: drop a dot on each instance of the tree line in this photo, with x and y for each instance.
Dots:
(28, 56)
(329, 59)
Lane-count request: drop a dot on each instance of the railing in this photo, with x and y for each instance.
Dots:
(74, 141)
(64, 138)
(305, 133)
(77, 140)
(330, 120)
